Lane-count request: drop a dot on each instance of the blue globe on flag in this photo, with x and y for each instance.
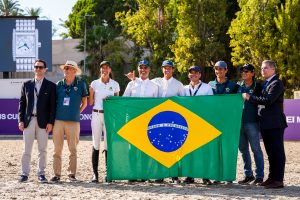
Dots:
(167, 131)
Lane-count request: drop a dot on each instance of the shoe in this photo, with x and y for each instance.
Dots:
(175, 180)
(55, 179)
(132, 180)
(246, 180)
(206, 181)
(95, 179)
(42, 179)
(267, 182)
(23, 179)
(217, 182)
(275, 185)
(72, 178)
(229, 182)
(189, 180)
(258, 181)
(159, 180)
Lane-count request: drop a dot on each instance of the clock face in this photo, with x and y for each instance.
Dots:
(25, 45)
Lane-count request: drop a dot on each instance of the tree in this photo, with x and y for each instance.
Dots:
(34, 12)
(287, 54)
(252, 32)
(152, 26)
(273, 34)
(10, 8)
(200, 27)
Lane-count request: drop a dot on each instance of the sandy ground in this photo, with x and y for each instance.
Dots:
(11, 151)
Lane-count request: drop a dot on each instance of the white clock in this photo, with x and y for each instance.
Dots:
(25, 44)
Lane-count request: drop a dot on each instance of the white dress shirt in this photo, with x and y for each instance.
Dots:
(37, 85)
(169, 88)
(141, 88)
(204, 89)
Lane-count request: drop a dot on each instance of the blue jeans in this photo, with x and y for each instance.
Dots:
(250, 135)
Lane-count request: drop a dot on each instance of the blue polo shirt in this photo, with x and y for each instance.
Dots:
(73, 95)
(250, 109)
(228, 87)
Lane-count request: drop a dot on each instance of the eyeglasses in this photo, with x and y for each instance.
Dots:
(39, 67)
(67, 68)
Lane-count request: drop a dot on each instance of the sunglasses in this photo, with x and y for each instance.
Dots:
(68, 68)
(39, 67)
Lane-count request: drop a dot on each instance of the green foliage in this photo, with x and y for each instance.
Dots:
(10, 8)
(268, 29)
(287, 54)
(198, 31)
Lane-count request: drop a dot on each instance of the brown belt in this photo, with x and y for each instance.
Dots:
(98, 111)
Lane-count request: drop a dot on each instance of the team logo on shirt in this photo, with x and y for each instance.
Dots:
(227, 89)
(75, 88)
(110, 88)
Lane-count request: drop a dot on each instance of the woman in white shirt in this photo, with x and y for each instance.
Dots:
(100, 89)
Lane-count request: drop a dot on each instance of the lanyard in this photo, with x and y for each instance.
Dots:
(68, 89)
(195, 91)
(35, 89)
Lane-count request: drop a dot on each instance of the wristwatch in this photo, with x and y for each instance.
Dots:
(25, 44)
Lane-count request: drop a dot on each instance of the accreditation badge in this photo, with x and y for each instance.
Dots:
(66, 101)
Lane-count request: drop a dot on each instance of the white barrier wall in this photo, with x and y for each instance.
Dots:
(11, 88)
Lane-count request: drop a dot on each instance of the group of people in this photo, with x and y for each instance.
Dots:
(39, 114)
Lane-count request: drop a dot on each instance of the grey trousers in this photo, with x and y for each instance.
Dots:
(32, 132)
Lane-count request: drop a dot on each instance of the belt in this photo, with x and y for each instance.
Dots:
(98, 111)
(33, 115)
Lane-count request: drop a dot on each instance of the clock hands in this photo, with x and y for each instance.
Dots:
(24, 45)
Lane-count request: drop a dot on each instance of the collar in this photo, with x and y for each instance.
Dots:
(39, 81)
(75, 82)
(169, 81)
(197, 85)
(226, 80)
(271, 78)
(103, 82)
(142, 79)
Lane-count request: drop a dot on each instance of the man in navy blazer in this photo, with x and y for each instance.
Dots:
(272, 123)
(37, 107)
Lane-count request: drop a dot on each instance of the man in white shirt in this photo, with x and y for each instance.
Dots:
(142, 86)
(196, 88)
(168, 86)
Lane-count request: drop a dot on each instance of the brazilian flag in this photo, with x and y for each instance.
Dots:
(153, 138)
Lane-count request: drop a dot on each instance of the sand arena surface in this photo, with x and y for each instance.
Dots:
(10, 159)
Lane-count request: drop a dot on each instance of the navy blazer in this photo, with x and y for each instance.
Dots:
(271, 105)
(46, 103)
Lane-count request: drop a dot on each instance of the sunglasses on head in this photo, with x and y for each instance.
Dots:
(39, 67)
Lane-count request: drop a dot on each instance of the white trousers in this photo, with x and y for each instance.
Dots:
(98, 126)
(29, 134)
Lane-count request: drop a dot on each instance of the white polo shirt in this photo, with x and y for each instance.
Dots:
(204, 89)
(141, 88)
(102, 90)
(169, 88)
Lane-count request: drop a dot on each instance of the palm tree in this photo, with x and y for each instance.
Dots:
(10, 8)
(34, 12)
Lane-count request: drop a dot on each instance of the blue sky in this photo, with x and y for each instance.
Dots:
(53, 9)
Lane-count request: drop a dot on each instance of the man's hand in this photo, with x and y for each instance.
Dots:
(245, 96)
(21, 126)
(131, 75)
(49, 128)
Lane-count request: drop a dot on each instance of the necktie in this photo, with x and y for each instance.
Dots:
(265, 85)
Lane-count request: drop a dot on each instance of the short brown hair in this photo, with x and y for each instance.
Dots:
(42, 61)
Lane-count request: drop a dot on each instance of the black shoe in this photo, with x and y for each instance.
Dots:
(189, 180)
(95, 179)
(258, 181)
(175, 180)
(217, 182)
(23, 179)
(206, 181)
(247, 180)
(132, 180)
(159, 180)
(55, 179)
(72, 178)
(42, 179)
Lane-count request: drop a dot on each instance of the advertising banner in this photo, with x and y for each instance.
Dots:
(9, 118)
